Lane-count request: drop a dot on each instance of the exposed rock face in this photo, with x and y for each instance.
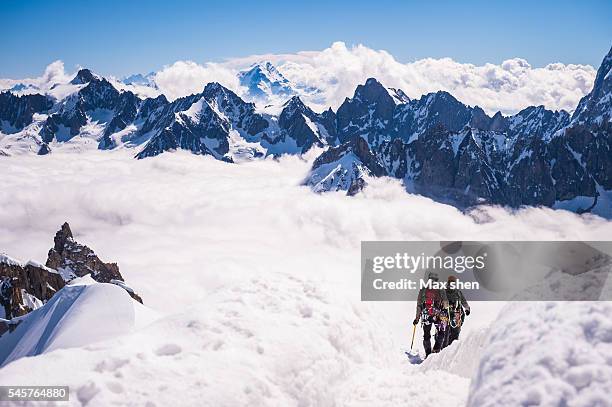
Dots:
(457, 154)
(596, 107)
(16, 112)
(83, 77)
(368, 114)
(301, 128)
(25, 287)
(436, 145)
(73, 259)
(44, 149)
(97, 100)
(202, 124)
(398, 95)
(345, 168)
(589, 136)
(433, 109)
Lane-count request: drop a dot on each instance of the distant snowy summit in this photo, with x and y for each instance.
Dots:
(140, 79)
(436, 145)
(264, 84)
(263, 81)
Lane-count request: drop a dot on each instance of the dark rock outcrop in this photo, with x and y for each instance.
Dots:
(367, 114)
(83, 76)
(596, 107)
(27, 286)
(306, 128)
(44, 149)
(24, 287)
(202, 123)
(17, 111)
(97, 100)
(72, 258)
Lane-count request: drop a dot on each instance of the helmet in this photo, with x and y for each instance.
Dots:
(432, 276)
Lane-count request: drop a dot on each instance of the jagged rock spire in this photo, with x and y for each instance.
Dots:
(61, 237)
(82, 77)
(77, 260)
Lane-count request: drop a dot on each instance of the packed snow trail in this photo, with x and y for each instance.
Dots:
(276, 341)
(288, 341)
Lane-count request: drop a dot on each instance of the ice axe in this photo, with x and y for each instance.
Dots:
(413, 332)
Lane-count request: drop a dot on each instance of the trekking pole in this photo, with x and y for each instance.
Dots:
(413, 332)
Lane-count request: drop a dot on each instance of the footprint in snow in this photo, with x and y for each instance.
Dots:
(168, 349)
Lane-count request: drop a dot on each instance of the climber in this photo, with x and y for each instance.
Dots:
(458, 309)
(432, 309)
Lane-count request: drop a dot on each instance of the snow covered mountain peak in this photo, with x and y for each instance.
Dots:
(84, 76)
(295, 103)
(213, 88)
(26, 286)
(140, 79)
(264, 80)
(373, 92)
(596, 107)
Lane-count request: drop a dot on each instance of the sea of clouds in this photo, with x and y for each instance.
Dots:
(196, 221)
(336, 71)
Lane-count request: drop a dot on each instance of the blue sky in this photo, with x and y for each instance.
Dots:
(120, 38)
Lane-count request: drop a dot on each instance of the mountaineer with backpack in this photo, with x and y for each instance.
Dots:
(458, 309)
(432, 309)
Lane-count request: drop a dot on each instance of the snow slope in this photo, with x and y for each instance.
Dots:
(461, 357)
(548, 354)
(274, 341)
(254, 277)
(77, 315)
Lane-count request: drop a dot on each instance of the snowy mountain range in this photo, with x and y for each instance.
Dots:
(438, 146)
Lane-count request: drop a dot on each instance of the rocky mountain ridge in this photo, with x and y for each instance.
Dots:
(457, 154)
(27, 286)
(436, 145)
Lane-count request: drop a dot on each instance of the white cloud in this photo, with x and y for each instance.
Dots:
(508, 87)
(53, 74)
(336, 71)
(186, 77)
